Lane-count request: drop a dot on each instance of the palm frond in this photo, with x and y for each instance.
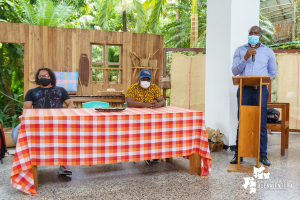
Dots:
(42, 6)
(63, 11)
(267, 29)
(154, 17)
(103, 9)
(30, 16)
(140, 22)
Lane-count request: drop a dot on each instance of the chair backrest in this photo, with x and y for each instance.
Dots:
(95, 104)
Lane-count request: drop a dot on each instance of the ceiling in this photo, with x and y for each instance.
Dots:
(277, 10)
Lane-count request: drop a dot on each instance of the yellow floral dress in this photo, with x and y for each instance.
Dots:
(143, 95)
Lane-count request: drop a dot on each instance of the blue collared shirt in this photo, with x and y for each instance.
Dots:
(264, 64)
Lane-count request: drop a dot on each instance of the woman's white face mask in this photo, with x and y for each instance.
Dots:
(145, 84)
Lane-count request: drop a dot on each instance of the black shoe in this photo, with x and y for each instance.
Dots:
(235, 160)
(264, 160)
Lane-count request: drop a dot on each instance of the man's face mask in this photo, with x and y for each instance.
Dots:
(253, 39)
(145, 84)
(45, 81)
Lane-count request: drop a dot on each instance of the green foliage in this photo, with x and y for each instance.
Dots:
(45, 13)
(108, 15)
(7, 120)
(267, 30)
(177, 33)
(4, 118)
(156, 13)
(140, 16)
(10, 11)
(288, 45)
(12, 55)
(113, 56)
(11, 69)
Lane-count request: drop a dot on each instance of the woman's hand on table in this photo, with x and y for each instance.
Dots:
(154, 104)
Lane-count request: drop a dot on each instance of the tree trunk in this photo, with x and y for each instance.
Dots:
(124, 21)
(294, 22)
(177, 19)
(194, 25)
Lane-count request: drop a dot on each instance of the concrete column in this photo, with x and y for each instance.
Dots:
(228, 22)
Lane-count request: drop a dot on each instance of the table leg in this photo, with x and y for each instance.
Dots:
(282, 140)
(287, 137)
(35, 176)
(195, 164)
(169, 160)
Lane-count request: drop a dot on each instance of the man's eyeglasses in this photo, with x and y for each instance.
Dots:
(44, 76)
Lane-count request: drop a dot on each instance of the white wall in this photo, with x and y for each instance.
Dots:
(228, 22)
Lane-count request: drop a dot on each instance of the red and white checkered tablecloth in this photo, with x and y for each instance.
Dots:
(87, 137)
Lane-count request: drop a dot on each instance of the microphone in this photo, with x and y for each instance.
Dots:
(253, 56)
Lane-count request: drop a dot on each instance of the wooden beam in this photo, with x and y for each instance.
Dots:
(186, 49)
(277, 10)
(280, 14)
(286, 50)
(275, 6)
(113, 99)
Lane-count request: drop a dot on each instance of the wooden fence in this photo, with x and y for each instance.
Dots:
(55, 47)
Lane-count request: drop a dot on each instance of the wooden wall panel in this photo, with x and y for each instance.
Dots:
(11, 33)
(74, 39)
(45, 49)
(55, 47)
(127, 46)
(50, 48)
(26, 58)
(23, 31)
(59, 49)
(31, 58)
(3, 32)
(159, 56)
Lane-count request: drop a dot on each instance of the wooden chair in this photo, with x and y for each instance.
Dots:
(282, 127)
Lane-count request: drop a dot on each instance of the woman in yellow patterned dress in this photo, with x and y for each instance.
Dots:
(144, 94)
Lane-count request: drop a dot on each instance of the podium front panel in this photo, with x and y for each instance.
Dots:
(251, 80)
(249, 131)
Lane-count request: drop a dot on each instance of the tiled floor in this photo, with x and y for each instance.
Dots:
(163, 180)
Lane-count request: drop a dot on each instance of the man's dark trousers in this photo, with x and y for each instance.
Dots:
(251, 97)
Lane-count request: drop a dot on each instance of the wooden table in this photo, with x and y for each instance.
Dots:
(87, 137)
(113, 100)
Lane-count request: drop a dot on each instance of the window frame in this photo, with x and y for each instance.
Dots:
(105, 65)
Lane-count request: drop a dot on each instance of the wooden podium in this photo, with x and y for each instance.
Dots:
(249, 124)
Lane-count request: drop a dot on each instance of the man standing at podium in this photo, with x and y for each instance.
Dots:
(255, 59)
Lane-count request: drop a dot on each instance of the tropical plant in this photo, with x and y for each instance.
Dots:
(4, 118)
(11, 67)
(11, 71)
(181, 38)
(10, 11)
(267, 29)
(104, 10)
(156, 8)
(45, 13)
